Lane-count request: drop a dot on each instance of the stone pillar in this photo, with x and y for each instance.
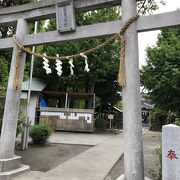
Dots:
(170, 152)
(12, 102)
(132, 124)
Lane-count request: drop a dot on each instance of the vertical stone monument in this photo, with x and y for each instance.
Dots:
(171, 152)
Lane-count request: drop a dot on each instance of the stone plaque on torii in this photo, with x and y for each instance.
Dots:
(22, 15)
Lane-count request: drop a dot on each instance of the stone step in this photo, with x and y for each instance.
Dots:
(122, 177)
(32, 175)
(13, 173)
(10, 163)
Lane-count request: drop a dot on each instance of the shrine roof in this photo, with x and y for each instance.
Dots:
(37, 85)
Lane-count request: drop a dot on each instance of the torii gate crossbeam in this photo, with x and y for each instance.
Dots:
(144, 23)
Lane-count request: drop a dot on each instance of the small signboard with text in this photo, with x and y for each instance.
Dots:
(65, 17)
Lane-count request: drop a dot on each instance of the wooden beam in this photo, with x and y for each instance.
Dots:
(146, 23)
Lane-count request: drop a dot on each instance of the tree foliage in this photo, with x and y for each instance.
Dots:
(149, 6)
(7, 31)
(103, 64)
(3, 71)
(9, 3)
(161, 75)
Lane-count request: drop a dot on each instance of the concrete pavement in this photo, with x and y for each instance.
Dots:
(96, 162)
(93, 164)
(78, 138)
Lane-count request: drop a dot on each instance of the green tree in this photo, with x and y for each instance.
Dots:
(7, 31)
(103, 64)
(161, 75)
(9, 3)
(3, 72)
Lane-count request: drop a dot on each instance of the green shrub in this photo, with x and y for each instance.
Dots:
(40, 133)
(101, 123)
(20, 123)
(177, 121)
(160, 115)
(171, 118)
(156, 173)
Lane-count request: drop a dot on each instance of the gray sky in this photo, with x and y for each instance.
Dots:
(149, 38)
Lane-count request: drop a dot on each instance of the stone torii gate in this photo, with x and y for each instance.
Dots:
(22, 15)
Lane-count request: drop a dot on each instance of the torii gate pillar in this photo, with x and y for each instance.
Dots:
(9, 163)
(133, 149)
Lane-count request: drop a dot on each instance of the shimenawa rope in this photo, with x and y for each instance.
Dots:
(119, 36)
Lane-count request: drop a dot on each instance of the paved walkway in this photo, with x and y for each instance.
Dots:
(79, 138)
(93, 164)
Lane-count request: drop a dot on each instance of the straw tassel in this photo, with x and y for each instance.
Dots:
(121, 74)
(17, 69)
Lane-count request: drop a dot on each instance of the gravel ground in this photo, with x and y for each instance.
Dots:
(44, 158)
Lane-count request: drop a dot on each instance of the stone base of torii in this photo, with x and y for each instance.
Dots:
(122, 177)
(12, 167)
